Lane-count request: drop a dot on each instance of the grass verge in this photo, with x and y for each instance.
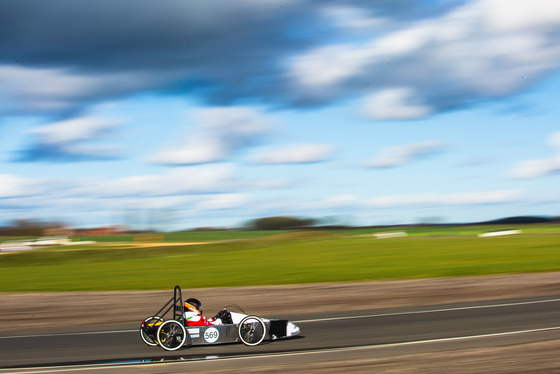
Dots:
(287, 258)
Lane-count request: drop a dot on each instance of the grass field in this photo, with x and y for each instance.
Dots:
(269, 258)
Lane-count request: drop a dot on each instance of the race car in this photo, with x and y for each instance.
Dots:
(174, 333)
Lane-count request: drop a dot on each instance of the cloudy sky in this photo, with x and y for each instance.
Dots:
(176, 114)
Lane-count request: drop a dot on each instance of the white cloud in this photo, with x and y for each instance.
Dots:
(320, 71)
(394, 104)
(57, 90)
(554, 140)
(197, 150)
(240, 121)
(28, 89)
(295, 154)
(463, 51)
(15, 186)
(504, 15)
(402, 154)
(402, 42)
(538, 168)
(439, 199)
(76, 129)
(184, 180)
(188, 180)
(73, 137)
(479, 50)
(219, 133)
(351, 18)
(196, 188)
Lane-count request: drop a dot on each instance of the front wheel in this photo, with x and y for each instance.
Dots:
(251, 330)
(171, 335)
(149, 328)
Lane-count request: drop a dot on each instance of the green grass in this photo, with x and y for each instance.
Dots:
(201, 236)
(285, 258)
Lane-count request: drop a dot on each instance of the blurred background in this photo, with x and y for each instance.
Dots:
(173, 115)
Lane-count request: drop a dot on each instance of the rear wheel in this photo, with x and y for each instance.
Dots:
(171, 335)
(149, 329)
(251, 330)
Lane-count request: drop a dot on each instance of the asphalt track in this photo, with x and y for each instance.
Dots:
(344, 335)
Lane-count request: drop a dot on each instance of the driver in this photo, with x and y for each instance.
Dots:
(193, 314)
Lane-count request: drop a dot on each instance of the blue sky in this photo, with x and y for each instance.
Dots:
(183, 114)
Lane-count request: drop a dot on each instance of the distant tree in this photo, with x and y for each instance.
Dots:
(202, 229)
(27, 227)
(279, 223)
(519, 220)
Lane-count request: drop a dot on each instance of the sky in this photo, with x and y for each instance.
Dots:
(177, 114)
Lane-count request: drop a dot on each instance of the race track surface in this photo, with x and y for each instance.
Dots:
(351, 335)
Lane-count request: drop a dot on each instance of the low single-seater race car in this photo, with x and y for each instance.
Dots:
(174, 333)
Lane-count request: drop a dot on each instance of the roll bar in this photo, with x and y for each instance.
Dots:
(176, 302)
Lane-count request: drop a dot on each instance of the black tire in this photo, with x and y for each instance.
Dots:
(149, 329)
(171, 335)
(251, 330)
